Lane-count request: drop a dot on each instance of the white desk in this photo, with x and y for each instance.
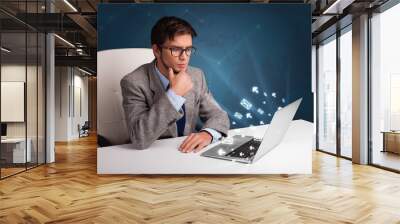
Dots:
(18, 150)
(292, 156)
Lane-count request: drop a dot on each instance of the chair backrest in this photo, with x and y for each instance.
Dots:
(86, 125)
(112, 66)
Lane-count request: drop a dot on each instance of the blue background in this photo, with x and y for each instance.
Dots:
(240, 47)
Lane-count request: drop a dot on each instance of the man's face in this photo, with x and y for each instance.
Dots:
(177, 63)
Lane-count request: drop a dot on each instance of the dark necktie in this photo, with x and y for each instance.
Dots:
(180, 124)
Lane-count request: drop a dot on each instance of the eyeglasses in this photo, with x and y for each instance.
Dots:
(178, 51)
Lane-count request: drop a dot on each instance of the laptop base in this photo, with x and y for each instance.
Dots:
(237, 148)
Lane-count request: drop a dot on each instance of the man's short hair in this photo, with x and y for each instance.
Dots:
(169, 27)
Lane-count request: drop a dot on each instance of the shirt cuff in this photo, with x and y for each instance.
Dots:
(176, 100)
(215, 134)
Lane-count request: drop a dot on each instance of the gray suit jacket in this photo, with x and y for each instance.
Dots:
(150, 115)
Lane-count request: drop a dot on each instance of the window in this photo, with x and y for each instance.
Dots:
(327, 95)
(346, 92)
(385, 89)
(22, 65)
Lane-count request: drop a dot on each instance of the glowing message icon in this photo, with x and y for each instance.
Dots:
(238, 115)
(246, 104)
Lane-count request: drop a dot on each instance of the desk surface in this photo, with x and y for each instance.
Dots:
(390, 132)
(13, 140)
(292, 156)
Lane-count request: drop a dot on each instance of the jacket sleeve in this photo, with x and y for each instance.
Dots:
(211, 114)
(146, 124)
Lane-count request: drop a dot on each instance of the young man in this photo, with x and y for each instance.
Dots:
(165, 98)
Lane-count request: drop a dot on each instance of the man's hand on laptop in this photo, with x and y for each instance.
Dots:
(195, 142)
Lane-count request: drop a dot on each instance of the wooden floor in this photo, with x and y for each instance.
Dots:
(387, 159)
(5, 172)
(70, 191)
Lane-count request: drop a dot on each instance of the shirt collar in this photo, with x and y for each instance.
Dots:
(164, 80)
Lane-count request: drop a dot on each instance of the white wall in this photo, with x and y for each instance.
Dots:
(67, 116)
(80, 83)
(62, 81)
(12, 73)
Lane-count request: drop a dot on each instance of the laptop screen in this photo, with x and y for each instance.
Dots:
(277, 128)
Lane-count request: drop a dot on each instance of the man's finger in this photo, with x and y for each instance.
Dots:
(189, 144)
(187, 139)
(184, 143)
(193, 144)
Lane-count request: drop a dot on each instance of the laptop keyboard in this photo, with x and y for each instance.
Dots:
(247, 150)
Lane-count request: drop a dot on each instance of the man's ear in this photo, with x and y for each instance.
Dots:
(156, 50)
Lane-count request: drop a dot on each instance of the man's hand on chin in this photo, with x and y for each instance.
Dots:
(195, 142)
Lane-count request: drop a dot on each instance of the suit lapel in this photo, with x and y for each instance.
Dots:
(158, 90)
(189, 107)
(155, 82)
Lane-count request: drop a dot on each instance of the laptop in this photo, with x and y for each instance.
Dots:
(248, 149)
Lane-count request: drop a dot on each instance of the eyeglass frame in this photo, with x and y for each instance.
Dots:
(192, 48)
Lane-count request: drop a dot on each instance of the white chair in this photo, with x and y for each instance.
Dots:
(112, 66)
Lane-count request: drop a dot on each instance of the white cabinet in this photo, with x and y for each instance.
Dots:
(16, 148)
